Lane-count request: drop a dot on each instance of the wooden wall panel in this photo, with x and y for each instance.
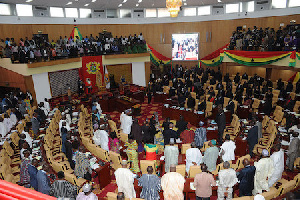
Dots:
(11, 79)
(221, 31)
(147, 72)
(119, 70)
(283, 74)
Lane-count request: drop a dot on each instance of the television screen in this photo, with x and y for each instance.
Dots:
(185, 46)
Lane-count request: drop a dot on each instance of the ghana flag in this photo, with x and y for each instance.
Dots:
(75, 32)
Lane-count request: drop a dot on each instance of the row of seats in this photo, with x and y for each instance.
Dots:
(55, 157)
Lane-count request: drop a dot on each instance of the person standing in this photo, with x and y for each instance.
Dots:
(264, 170)
(181, 124)
(87, 193)
(171, 155)
(200, 135)
(227, 179)
(150, 184)
(172, 184)
(246, 178)
(169, 133)
(221, 121)
(61, 188)
(188, 135)
(211, 156)
(132, 154)
(82, 164)
(252, 137)
(136, 131)
(193, 157)
(227, 149)
(125, 180)
(32, 170)
(203, 183)
(126, 122)
(24, 174)
(278, 162)
(294, 151)
(43, 180)
(35, 124)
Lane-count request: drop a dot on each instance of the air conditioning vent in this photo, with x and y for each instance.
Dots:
(99, 11)
(40, 8)
(218, 6)
(138, 11)
(262, 2)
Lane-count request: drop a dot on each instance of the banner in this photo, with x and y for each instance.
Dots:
(156, 58)
(91, 66)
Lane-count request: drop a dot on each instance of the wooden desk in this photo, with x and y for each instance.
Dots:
(241, 146)
(160, 98)
(243, 113)
(139, 95)
(104, 175)
(189, 116)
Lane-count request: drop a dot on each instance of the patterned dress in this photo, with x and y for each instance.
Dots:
(82, 165)
(28, 105)
(133, 156)
(63, 189)
(114, 145)
(24, 174)
(151, 186)
(200, 137)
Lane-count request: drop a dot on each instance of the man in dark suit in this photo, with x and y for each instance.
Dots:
(181, 125)
(221, 121)
(237, 78)
(35, 124)
(246, 178)
(252, 138)
(69, 151)
(32, 170)
(170, 133)
(191, 102)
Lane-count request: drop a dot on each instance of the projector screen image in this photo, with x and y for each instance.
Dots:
(185, 46)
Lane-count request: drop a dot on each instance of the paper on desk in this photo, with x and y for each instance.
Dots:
(95, 166)
(245, 138)
(285, 143)
(192, 186)
(162, 158)
(211, 128)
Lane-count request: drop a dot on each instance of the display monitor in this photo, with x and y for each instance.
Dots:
(185, 46)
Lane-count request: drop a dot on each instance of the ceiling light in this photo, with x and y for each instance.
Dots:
(137, 5)
(219, 1)
(69, 3)
(94, 0)
(185, 4)
(124, 1)
(140, 1)
(29, 1)
(120, 5)
(86, 4)
(183, 0)
(173, 7)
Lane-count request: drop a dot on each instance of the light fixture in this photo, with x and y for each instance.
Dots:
(185, 4)
(120, 5)
(140, 1)
(219, 1)
(69, 3)
(124, 1)
(173, 7)
(94, 1)
(137, 5)
(28, 1)
(86, 4)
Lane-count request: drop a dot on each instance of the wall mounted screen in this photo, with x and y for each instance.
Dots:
(185, 46)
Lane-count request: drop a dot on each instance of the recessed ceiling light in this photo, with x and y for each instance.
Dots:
(183, 0)
(94, 0)
(219, 1)
(69, 3)
(124, 1)
(185, 4)
(137, 5)
(86, 4)
(120, 5)
(140, 1)
(29, 1)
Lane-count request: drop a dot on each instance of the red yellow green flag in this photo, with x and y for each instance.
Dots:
(76, 34)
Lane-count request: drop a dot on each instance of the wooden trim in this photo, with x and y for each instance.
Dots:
(127, 55)
(54, 62)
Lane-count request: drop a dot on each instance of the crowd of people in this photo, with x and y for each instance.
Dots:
(39, 49)
(260, 172)
(268, 39)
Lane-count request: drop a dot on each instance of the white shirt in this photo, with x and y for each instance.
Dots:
(125, 180)
(126, 125)
(3, 129)
(193, 155)
(228, 147)
(67, 125)
(82, 196)
(295, 129)
(13, 119)
(227, 178)
(28, 139)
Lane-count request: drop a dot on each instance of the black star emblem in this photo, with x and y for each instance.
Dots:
(252, 60)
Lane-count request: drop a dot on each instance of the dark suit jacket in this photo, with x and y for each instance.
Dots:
(221, 121)
(32, 170)
(181, 125)
(246, 178)
(170, 133)
(252, 137)
(191, 102)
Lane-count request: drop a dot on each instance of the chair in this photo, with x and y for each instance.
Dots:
(297, 179)
(255, 105)
(181, 169)
(185, 147)
(226, 100)
(239, 162)
(194, 170)
(145, 163)
(116, 160)
(287, 187)
(123, 137)
(74, 180)
(111, 196)
(209, 107)
(271, 194)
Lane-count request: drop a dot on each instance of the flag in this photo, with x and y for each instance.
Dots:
(75, 32)
(90, 66)
(106, 78)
